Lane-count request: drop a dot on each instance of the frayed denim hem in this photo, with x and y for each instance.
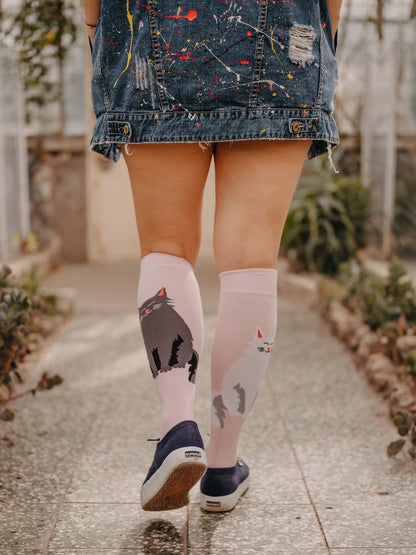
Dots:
(113, 129)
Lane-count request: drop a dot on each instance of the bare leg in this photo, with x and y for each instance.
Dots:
(255, 183)
(168, 182)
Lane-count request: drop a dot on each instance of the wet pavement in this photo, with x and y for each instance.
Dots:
(321, 481)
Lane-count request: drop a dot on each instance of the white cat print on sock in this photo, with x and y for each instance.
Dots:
(242, 382)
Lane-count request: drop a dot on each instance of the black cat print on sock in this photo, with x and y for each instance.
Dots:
(167, 337)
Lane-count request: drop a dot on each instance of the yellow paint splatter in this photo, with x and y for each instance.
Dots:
(130, 20)
(271, 36)
(289, 75)
(263, 130)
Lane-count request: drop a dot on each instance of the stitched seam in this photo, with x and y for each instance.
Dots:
(318, 102)
(156, 55)
(103, 83)
(259, 53)
(301, 111)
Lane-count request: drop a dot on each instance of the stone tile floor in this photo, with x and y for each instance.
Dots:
(315, 442)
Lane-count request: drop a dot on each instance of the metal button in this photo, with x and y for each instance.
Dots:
(126, 128)
(295, 126)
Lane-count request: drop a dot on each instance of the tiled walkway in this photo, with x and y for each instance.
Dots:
(315, 442)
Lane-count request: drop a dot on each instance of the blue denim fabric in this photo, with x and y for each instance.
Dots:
(189, 71)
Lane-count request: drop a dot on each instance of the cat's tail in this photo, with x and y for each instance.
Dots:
(193, 366)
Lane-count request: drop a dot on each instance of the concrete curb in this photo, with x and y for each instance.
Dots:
(397, 394)
(42, 261)
(303, 286)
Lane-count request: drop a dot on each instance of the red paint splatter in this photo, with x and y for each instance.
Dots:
(249, 33)
(244, 62)
(190, 16)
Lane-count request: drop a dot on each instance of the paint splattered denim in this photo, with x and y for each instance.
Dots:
(218, 70)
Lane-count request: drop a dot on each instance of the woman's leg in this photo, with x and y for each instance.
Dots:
(167, 181)
(167, 184)
(255, 183)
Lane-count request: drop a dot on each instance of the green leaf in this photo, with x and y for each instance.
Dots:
(7, 415)
(395, 447)
(403, 430)
(399, 419)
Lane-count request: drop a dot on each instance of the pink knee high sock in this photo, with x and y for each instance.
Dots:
(171, 318)
(245, 332)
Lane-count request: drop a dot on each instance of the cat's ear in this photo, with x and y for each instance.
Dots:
(259, 334)
(138, 310)
(161, 293)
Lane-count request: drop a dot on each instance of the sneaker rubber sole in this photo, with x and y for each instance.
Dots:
(222, 503)
(168, 488)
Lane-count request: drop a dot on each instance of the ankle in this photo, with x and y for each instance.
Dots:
(219, 458)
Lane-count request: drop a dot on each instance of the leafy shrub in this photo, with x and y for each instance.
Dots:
(379, 300)
(326, 223)
(404, 226)
(406, 427)
(410, 360)
(42, 32)
(22, 308)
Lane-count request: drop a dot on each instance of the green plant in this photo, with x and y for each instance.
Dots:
(406, 427)
(42, 30)
(404, 225)
(356, 200)
(22, 307)
(326, 223)
(379, 300)
(410, 360)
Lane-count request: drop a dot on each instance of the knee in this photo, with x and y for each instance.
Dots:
(242, 243)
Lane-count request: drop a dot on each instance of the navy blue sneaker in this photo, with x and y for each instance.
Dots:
(221, 488)
(178, 464)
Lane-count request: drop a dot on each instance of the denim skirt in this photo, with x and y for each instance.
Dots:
(219, 70)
